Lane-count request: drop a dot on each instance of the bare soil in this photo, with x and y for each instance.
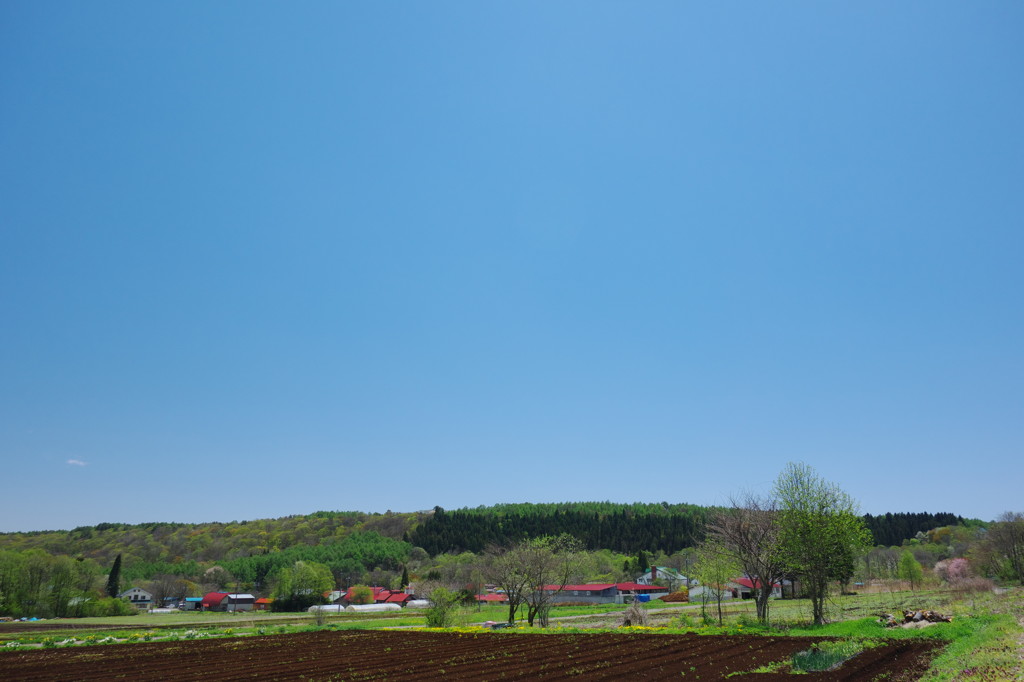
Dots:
(390, 655)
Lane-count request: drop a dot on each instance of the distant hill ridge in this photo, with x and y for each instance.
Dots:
(600, 525)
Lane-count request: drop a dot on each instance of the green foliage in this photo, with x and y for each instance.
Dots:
(349, 560)
(106, 607)
(909, 569)
(714, 567)
(443, 607)
(302, 585)
(151, 549)
(360, 594)
(36, 583)
(825, 656)
(820, 532)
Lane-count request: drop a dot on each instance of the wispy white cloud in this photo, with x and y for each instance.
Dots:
(76, 462)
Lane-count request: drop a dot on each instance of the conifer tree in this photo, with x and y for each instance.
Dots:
(114, 579)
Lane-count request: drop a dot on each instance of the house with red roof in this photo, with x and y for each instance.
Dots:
(400, 598)
(602, 593)
(743, 588)
(381, 595)
(226, 601)
(262, 604)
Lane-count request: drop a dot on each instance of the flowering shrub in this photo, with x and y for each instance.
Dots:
(954, 570)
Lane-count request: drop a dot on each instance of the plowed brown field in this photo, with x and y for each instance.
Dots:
(390, 655)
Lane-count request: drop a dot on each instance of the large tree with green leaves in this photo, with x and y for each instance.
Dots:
(909, 570)
(302, 585)
(819, 532)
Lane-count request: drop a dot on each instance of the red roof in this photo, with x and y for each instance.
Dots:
(398, 598)
(747, 582)
(492, 597)
(213, 598)
(264, 600)
(376, 593)
(598, 587)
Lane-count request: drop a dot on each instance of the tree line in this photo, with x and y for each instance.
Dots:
(618, 527)
(158, 548)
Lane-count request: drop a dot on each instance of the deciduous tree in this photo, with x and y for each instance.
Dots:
(524, 570)
(1004, 545)
(748, 532)
(909, 570)
(820, 531)
(714, 568)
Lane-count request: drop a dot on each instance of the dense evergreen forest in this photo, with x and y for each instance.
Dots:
(626, 528)
(892, 529)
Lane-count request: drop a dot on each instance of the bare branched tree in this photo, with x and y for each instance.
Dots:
(525, 570)
(748, 531)
(506, 569)
(551, 563)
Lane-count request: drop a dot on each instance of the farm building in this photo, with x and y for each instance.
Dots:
(743, 588)
(602, 593)
(193, 604)
(663, 575)
(138, 597)
(262, 604)
(381, 595)
(224, 601)
(492, 598)
(710, 593)
(212, 601)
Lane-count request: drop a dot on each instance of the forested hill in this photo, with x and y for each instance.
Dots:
(624, 528)
(151, 547)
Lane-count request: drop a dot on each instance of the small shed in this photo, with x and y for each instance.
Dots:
(239, 602)
(262, 604)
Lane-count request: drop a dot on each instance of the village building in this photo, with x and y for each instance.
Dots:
(138, 597)
(664, 575)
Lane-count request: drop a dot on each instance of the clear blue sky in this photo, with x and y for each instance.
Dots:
(260, 259)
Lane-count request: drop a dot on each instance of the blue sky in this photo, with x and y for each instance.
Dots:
(260, 259)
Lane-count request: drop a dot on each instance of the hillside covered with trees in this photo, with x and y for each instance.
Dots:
(43, 572)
